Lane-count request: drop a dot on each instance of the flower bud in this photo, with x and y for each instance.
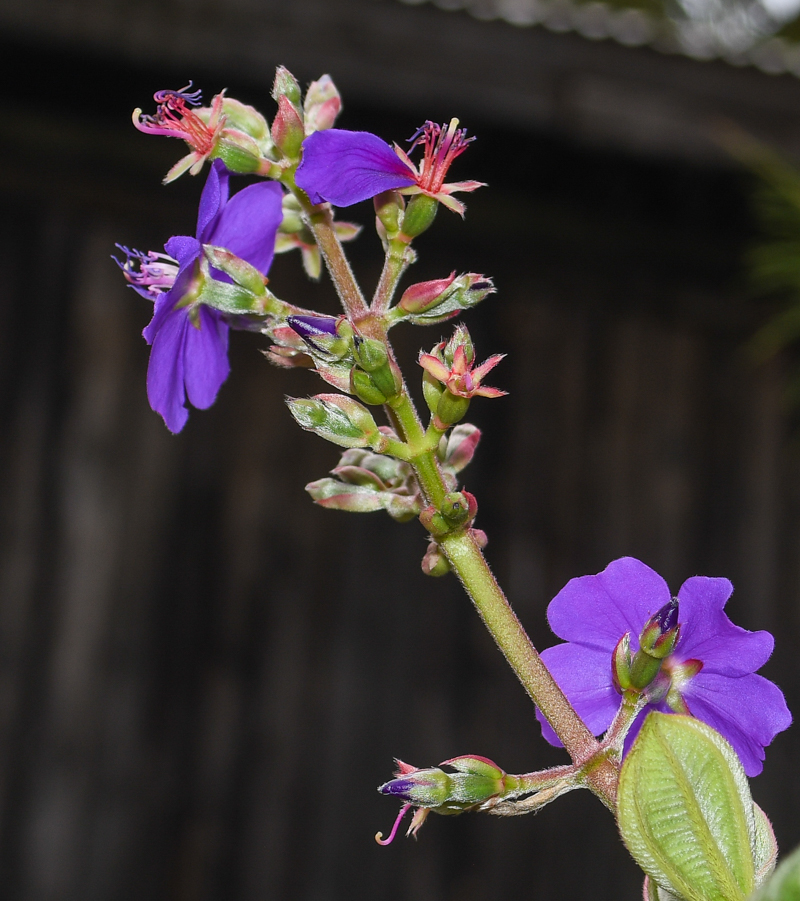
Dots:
(322, 105)
(378, 376)
(434, 563)
(419, 215)
(337, 418)
(287, 129)
(463, 293)
(457, 450)
(476, 782)
(326, 335)
(285, 85)
(389, 207)
(426, 295)
(458, 507)
(661, 632)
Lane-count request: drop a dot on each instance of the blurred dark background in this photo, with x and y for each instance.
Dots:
(203, 677)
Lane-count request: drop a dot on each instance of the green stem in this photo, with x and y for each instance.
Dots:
(465, 557)
(394, 266)
(320, 221)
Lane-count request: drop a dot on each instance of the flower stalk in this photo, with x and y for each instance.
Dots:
(460, 548)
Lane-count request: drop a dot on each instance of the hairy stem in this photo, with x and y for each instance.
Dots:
(600, 772)
(320, 220)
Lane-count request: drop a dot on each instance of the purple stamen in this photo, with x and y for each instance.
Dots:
(387, 841)
(193, 98)
(156, 271)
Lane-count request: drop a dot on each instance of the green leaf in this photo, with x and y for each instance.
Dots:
(685, 811)
(784, 884)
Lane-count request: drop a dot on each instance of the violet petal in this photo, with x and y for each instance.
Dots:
(248, 224)
(749, 711)
(708, 634)
(213, 198)
(598, 610)
(183, 249)
(344, 167)
(584, 675)
(206, 363)
(165, 374)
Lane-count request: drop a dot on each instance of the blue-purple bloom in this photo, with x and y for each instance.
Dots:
(710, 673)
(344, 167)
(189, 358)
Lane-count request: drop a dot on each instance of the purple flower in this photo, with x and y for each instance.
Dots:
(710, 673)
(344, 167)
(189, 358)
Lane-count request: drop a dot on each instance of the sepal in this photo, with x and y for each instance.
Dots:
(240, 153)
(249, 121)
(287, 128)
(242, 273)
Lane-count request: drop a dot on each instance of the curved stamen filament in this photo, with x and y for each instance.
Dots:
(387, 841)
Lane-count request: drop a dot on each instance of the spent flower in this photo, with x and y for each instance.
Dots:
(227, 129)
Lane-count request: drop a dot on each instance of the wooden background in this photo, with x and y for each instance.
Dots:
(203, 677)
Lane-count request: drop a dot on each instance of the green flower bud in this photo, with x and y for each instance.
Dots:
(285, 85)
(337, 418)
(363, 386)
(419, 215)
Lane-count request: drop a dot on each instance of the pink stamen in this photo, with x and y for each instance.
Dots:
(441, 147)
(175, 118)
(387, 841)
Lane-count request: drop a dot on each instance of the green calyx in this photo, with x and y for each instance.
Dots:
(419, 215)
